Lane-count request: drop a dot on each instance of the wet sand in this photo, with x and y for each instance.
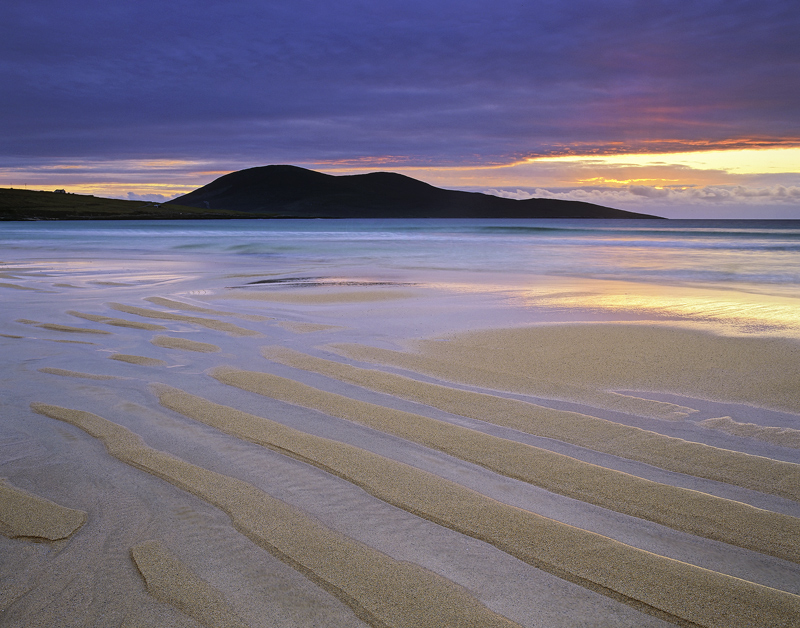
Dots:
(387, 456)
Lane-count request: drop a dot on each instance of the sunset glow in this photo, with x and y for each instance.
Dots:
(692, 106)
(741, 161)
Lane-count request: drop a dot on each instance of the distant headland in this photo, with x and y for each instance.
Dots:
(300, 193)
(293, 192)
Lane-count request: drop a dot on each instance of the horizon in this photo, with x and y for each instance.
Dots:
(685, 110)
(518, 195)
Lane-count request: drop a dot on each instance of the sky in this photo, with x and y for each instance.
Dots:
(683, 108)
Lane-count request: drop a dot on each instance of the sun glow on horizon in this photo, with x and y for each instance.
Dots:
(755, 176)
(734, 161)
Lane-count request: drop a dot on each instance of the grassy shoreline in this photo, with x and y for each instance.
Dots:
(24, 205)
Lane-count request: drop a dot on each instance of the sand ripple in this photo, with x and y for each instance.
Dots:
(116, 322)
(673, 454)
(170, 342)
(65, 328)
(137, 359)
(381, 590)
(682, 509)
(210, 323)
(646, 580)
(68, 373)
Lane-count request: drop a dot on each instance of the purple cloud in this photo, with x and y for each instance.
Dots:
(252, 82)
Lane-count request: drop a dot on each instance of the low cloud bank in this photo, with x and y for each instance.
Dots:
(153, 198)
(778, 194)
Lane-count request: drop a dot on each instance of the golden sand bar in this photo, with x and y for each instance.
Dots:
(169, 580)
(380, 590)
(184, 344)
(24, 515)
(677, 590)
(673, 454)
(210, 323)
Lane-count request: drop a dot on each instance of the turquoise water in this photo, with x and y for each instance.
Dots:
(725, 252)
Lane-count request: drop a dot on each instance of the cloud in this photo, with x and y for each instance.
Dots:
(447, 82)
(154, 198)
(151, 98)
(778, 201)
(648, 191)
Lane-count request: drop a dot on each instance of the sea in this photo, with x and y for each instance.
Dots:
(725, 252)
(750, 268)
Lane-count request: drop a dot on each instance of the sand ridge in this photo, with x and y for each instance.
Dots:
(169, 580)
(682, 509)
(116, 322)
(71, 342)
(113, 284)
(322, 298)
(754, 370)
(381, 590)
(648, 581)
(209, 323)
(68, 373)
(28, 516)
(65, 328)
(299, 327)
(188, 307)
(519, 381)
(782, 436)
(633, 443)
(184, 344)
(137, 359)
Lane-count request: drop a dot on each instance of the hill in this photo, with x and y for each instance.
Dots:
(296, 192)
(29, 205)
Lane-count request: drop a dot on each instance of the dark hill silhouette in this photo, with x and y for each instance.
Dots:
(296, 192)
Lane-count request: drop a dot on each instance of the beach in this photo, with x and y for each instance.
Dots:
(362, 424)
